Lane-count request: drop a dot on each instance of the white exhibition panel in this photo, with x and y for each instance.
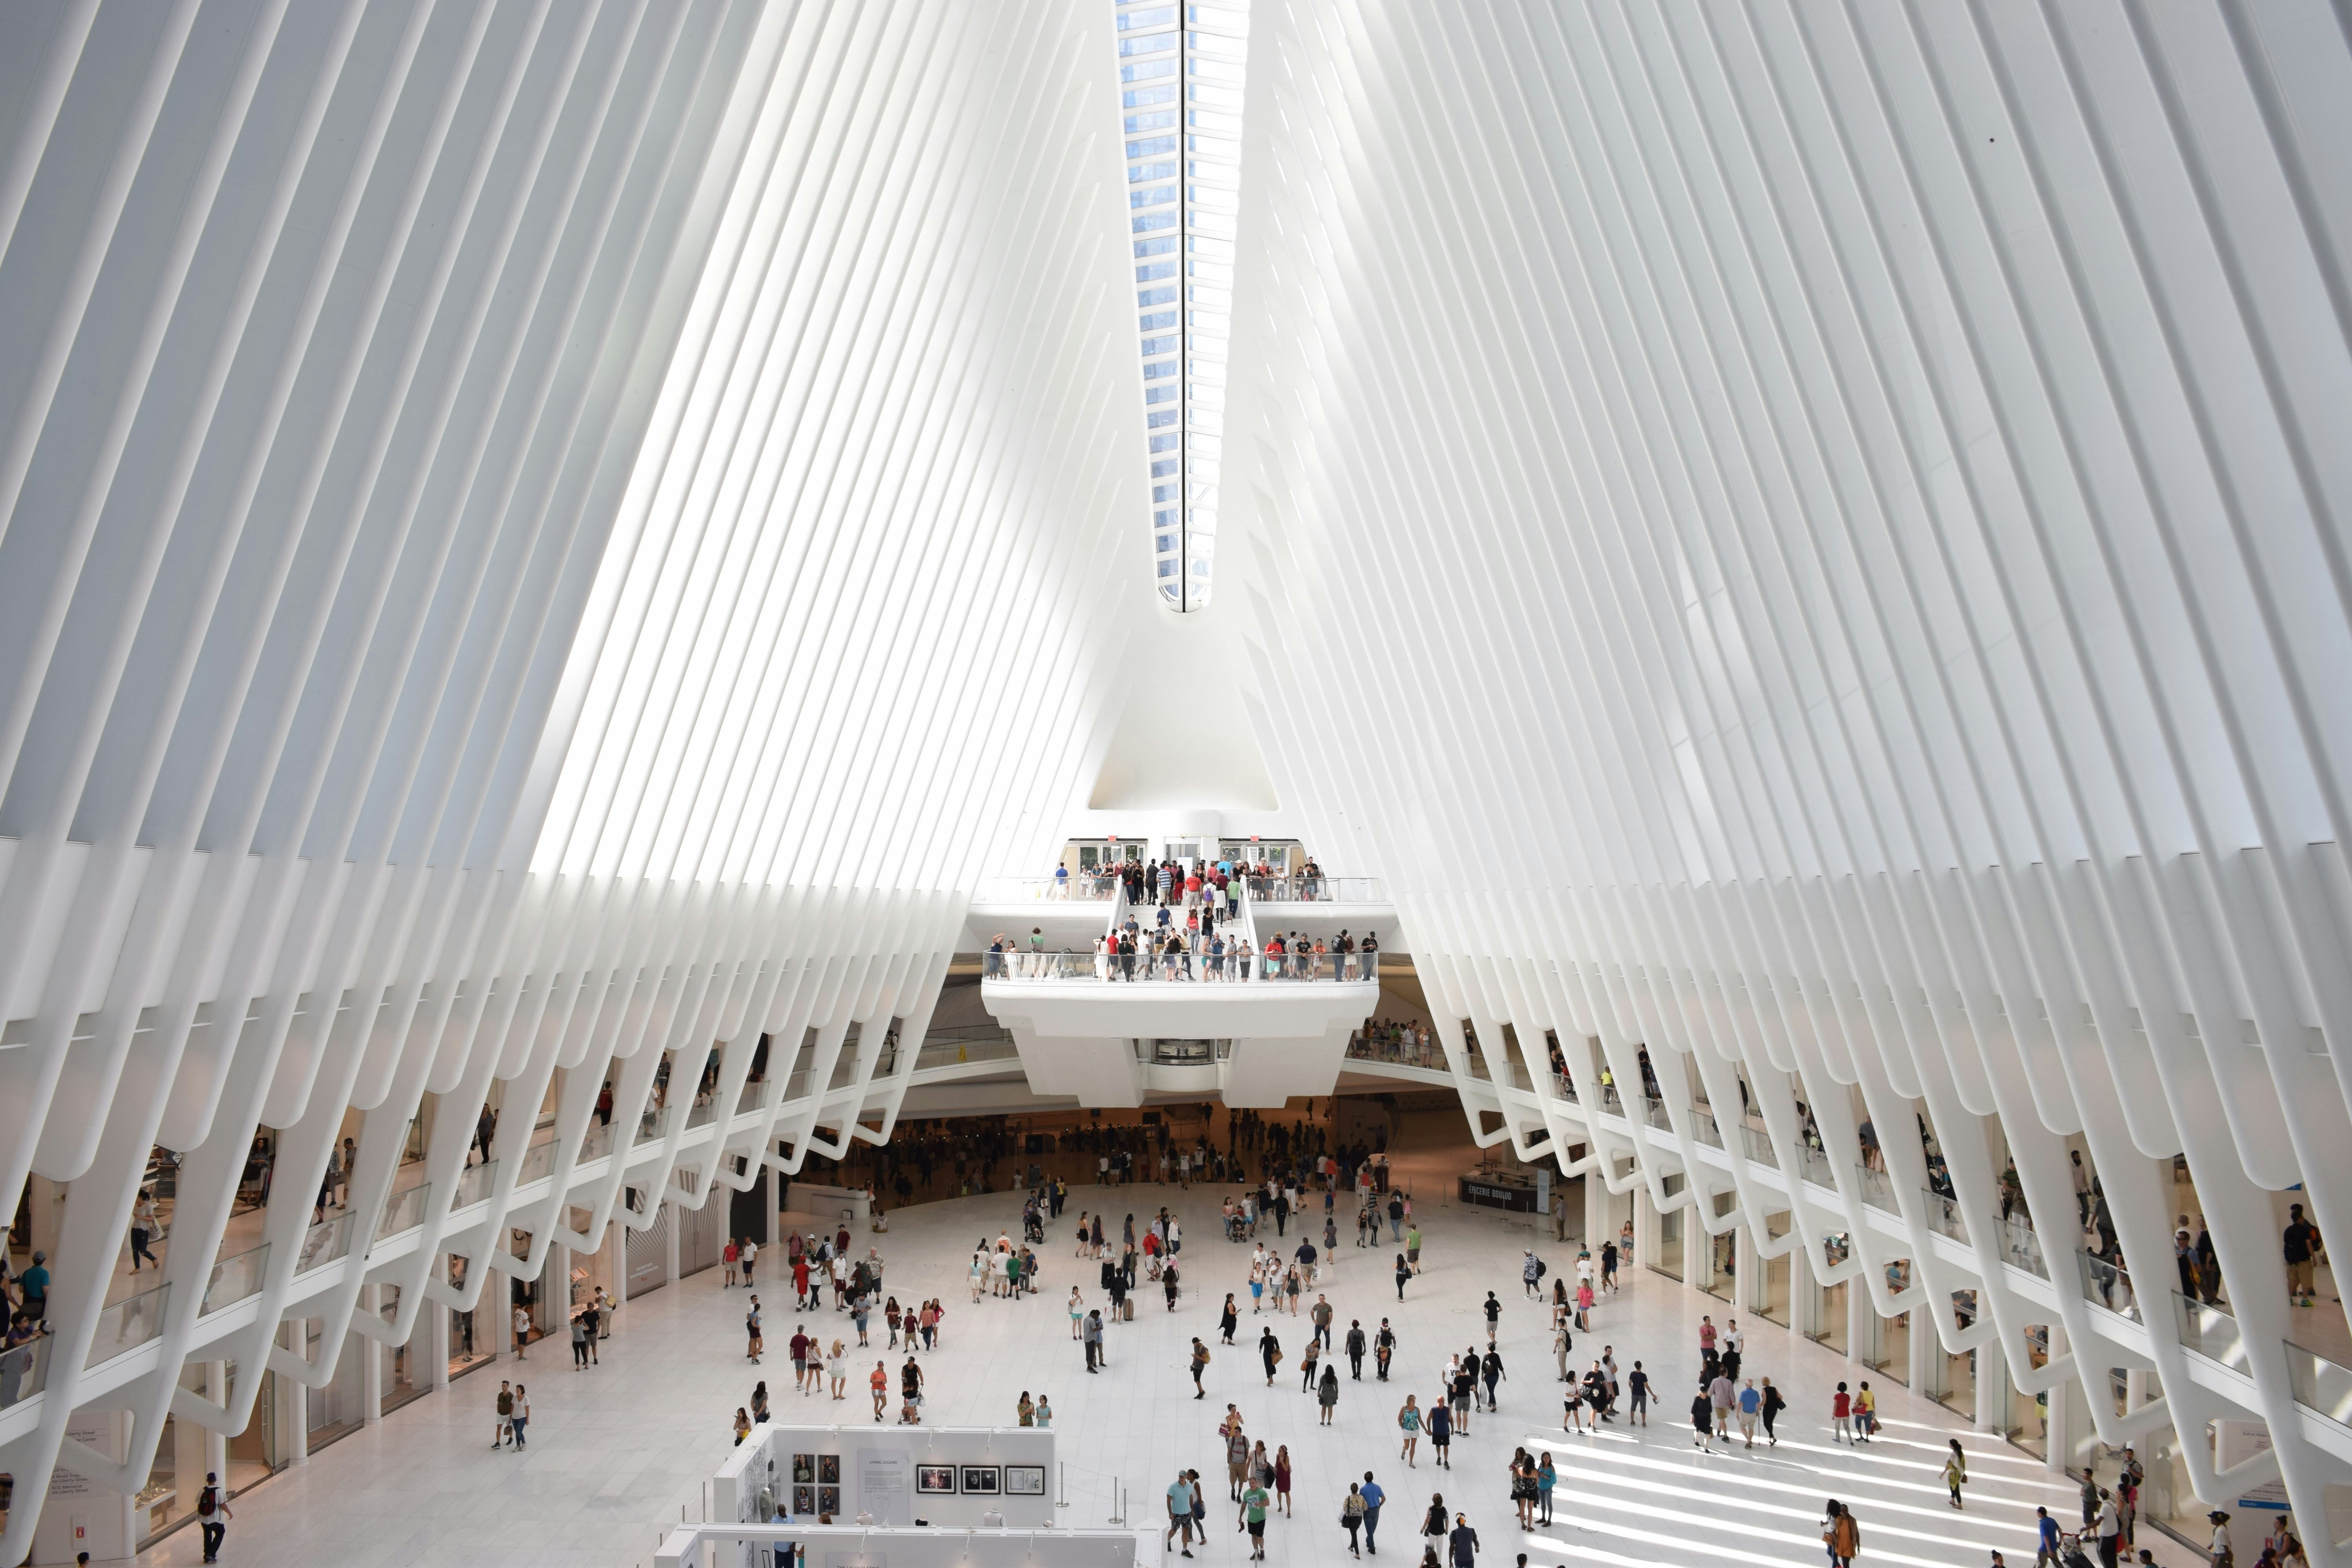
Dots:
(948, 1477)
(720, 1546)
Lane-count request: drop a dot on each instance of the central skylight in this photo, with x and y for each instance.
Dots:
(1181, 72)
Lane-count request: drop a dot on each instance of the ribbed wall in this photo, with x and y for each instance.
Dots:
(533, 532)
(1835, 520)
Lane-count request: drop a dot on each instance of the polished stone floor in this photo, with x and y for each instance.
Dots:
(617, 1451)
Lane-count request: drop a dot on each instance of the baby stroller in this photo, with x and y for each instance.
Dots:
(1033, 1229)
(2072, 1554)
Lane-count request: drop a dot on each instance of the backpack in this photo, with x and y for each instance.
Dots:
(206, 1502)
(1543, 1269)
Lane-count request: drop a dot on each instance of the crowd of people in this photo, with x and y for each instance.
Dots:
(1279, 1174)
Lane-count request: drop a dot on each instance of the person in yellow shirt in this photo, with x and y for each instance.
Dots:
(1866, 1414)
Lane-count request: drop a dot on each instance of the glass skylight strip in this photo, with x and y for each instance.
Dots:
(1181, 80)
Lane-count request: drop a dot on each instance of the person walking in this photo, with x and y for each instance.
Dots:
(1637, 1397)
(1433, 1524)
(1750, 1404)
(1412, 1249)
(212, 1514)
(1227, 1320)
(1373, 1497)
(522, 1330)
(580, 1343)
(1703, 1419)
(1281, 1478)
(1180, 1514)
(1841, 1417)
(1355, 1343)
(1840, 1534)
(1956, 1471)
(751, 1332)
(1351, 1517)
(1404, 1271)
(1409, 1423)
(1773, 1405)
(879, 1383)
(1441, 1432)
(1327, 1394)
(1461, 1543)
(1383, 1350)
(1200, 1365)
(1254, 1504)
(1091, 1334)
(1546, 1479)
(2302, 1247)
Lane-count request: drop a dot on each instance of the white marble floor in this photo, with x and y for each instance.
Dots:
(616, 1452)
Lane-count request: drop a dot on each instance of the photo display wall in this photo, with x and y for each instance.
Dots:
(956, 1478)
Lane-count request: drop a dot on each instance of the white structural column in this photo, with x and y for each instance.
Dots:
(1845, 507)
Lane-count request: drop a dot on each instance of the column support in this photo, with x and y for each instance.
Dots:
(370, 1356)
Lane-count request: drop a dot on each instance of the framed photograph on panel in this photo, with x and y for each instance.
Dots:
(828, 1501)
(982, 1480)
(803, 1467)
(940, 1479)
(1024, 1480)
(804, 1501)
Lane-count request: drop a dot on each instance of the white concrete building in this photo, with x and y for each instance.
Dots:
(1786, 557)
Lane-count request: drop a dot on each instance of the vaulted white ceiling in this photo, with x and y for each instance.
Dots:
(1806, 536)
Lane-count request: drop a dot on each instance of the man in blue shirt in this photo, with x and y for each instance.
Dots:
(2047, 1528)
(1373, 1497)
(1180, 1513)
(35, 1281)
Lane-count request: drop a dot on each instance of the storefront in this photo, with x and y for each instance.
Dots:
(1496, 1189)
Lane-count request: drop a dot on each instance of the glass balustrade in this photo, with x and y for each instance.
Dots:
(1180, 967)
(235, 1277)
(1610, 1100)
(405, 1212)
(2021, 1247)
(1565, 1087)
(1813, 1166)
(2106, 1285)
(702, 1112)
(653, 1125)
(130, 1323)
(1088, 887)
(1396, 1053)
(1703, 1128)
(598, 1143)
(2211, 1331)
(1654, 1114)
(1317, 891)
(2320, 1385)
(538, 1161)
(796, 1087)
(1944, 1215)
(24, 1371)
(959, 1048)
(1759, 1144)
(748, 1100)
(1876, 1188)
(474, 1185)
(323, 1243)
